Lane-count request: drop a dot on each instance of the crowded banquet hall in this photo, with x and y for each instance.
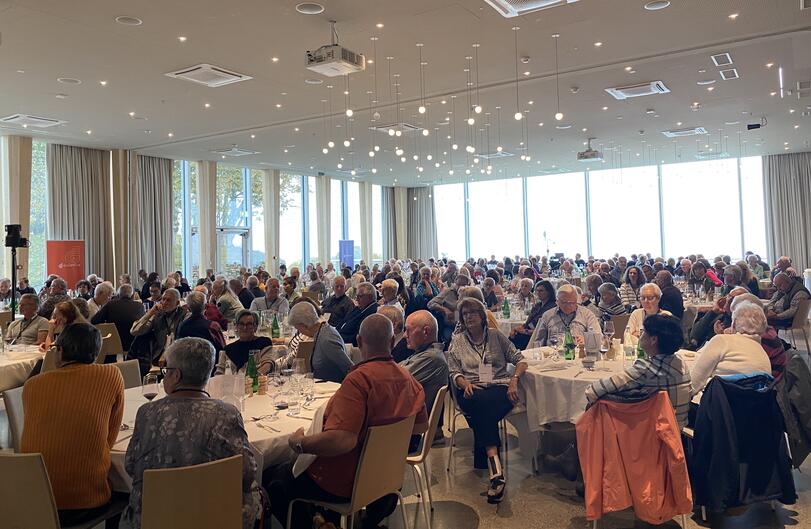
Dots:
(405, 265)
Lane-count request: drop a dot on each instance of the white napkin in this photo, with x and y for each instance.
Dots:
(303, 461)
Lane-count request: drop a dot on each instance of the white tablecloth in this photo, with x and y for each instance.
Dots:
(505, 326)
(271, 445)
(16, 365)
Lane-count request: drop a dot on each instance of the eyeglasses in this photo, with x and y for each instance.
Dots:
(246, 325)
(471, 315)
(648, 298)
(562, 302)
(165, 370)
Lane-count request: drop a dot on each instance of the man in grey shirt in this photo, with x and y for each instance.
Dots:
(427, 364)
(445, 304)
(569, 315)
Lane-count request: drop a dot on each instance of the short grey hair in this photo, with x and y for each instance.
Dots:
(565, 289)
(747, 297)
(59, 282)
(526, 281)
(748, 318)
(173, 292)
(395, 315)
(735, 270)
(390, 285)
(196, 301)
(104, 288)
(365, 288)
(30, 297)
(125, 291)
(5, 280)
(649, 286)
(608, 287)
(252, 281)
(304, 314)
(471, 292)
(194, 357)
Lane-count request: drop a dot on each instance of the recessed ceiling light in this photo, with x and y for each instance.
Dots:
(796, 126)
(132, 114)
(207, 105)
(253, 136)
(128, 20)
(295, 129)
(791, 111)
(69, 80)
(584, 129)
(772, 94)
(769, 64)
(274, 59)
(530, 102)
(20, 71)
(181, 38)
(598, 44)
(605, 108)
(628, 68)
(61, 96)
(526, 73)
(540, 124)
(309, 8)
(563, 126)
(656, 5)
(705, 82)
(313, 81)
(379, 25)
(171, 134)
(103, 83)
(278, 105)
(631, 71)
(88, 132)
(678, 123)
(730, 123)
(710, 88)
(733, 16)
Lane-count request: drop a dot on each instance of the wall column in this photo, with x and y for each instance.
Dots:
(16, 185)
(365, 200)
(323, 190)
(270, 190)
(207, 194)
(122, 191)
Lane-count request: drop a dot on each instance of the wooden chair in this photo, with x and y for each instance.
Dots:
(312, 295)
(49, 360)
(620, 322)
(799, 322)
(206, 496)
(417, 462)
(5, 321)
(26, 497)
(379, 472)
(111, 342)
(131, 373)
(13, 400)
(688, 319)
(305, 352)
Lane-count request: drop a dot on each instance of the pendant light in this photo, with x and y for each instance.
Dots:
(421, 108)
(330, 143)
(349, 111)
(477, 108)
(499, 148)
(518, 115)
(468, 85)
(376, 100)
(558, 114)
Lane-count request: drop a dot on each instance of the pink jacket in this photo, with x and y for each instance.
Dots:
(631, 455)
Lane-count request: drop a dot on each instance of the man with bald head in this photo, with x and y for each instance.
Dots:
(338, 305)
(782, 264)
(671, 299)
(376, 391)
(781, 308)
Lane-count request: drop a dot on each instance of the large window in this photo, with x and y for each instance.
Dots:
(178, 213)
(449, 209)
(701, 208)
(336, 220)
(312, 221)
(233, 216)
(624, 211)
(258, 256)
(754, 209)
(496, 211)
(291, 220)
(39, 214)
(556, 214)
(377, 223)
(353, 203)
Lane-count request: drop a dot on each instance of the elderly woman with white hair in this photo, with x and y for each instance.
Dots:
(388, 292)
(524, 296)
(649, 296)
(329, 360)
(737, 353)
(769, 339)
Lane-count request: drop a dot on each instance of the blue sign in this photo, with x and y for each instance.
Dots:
(346, 253)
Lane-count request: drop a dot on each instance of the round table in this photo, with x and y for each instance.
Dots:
(16, 364)
(506, 325)
(268, 438)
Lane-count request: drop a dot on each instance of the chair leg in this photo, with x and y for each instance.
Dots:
(453, 440)
(793, 340)
(402, 510)
(424, 498)
(428, 484)
(807, 347)
(703, 514)
(417, 484)
(594, 524)
(290, 514)
(683, 521)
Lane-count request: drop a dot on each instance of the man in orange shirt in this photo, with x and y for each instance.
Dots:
(376, 391)
(72, 417)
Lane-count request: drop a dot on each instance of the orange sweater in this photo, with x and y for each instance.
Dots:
(72, 417)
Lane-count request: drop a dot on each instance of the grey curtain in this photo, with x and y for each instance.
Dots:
(152, 229)
(79, 203)
(787, 192)
(389, 224)
(422, 223)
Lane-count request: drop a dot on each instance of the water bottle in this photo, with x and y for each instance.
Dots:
(253, 373)
(640, 352)
(505, 308)
(568, 346)
(275, 331)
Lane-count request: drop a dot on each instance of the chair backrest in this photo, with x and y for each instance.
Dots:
(312, 295)
(201, 496)
(131, 372)
(26, 498)
(5, 320)
(620, 322)
(305, 352)
(433, 422)
(801, 316)
(381, 464)
(13, 399)
(49, 360)
(688, 319)
(111, 343)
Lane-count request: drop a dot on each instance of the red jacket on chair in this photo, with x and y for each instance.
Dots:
(631, 455)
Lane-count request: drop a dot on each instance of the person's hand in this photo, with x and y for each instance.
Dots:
(770, 313)
(469, 389)
(579, 340)
(515, 330)
(512, 391)
(157, 307)
(718, 327)
(295, 438)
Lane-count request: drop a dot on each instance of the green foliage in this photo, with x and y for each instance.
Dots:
(39, 214)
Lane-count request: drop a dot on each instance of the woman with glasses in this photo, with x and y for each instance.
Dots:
(631, 285)
(485, 391)
(237, 352)
(649, 296)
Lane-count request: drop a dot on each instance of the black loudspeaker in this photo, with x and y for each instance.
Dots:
(14, 238)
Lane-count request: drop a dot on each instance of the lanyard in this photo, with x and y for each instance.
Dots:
(480, 350)
(24, 327)
(567, 326)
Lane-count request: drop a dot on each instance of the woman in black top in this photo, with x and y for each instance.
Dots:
(545, 296)
(238, 352)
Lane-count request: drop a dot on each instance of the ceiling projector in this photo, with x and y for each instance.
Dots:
(333, 60)
(590, 155)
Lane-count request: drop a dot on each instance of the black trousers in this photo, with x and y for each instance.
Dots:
(521, 341)
(283, 488)
(483, 411)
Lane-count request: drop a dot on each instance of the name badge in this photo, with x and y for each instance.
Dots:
(486, 373)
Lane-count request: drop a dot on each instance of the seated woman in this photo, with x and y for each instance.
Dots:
(485, 391)
(648, 272)
(662, 370)
(202, 429)
(237, 352)
(64, 314)
(650, 294)
(631, 283)
(496, 276)
(316, 285)
(739, 352)
(524, 296)
(329, 360)
(748, 278)
(388, 294)
(610, 302)
(545, 300)
(197, 326)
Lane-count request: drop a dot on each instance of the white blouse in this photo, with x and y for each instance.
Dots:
(728, 354)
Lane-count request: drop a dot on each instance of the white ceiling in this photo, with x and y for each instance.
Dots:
(42, 40)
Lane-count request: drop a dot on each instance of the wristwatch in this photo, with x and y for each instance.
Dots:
(298, 448)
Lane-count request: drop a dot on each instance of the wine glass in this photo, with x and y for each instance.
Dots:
(554, 341)
(150, 387)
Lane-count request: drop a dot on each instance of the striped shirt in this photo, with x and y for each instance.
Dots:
(646, 377)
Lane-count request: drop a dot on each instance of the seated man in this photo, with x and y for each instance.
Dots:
(672, 300)
(202, 429)
(443, 306)
(400, 351)
(375, 392)
(32, 329)
(72, 417)
(568, 315)
(662, 370)
(123, 311)
(154, 327)
(270, 299)
(366, 305)
(781, 308)
(338, 305)
(244, 295)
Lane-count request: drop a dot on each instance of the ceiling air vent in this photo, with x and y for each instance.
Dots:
(729, 74)
(516, 8)
(24, 120)
(638, 90)
(680, 133)
(803, 88)
(209, 75)
(711, 155)
(404, 128)
(721, 59)
(234, 151)
(495, 155)
(805, 4)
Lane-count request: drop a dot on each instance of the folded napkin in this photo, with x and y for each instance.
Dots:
(303, 461)
(325, 388)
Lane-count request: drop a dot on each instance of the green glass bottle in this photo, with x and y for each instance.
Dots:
(568, 346)
(505, 308)
(274, 327)
(640, 352)
(252, 372)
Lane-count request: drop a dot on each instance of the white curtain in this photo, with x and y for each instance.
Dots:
(207, 204)
(270, 193)
(152, 224)
(366, 227)
(79, 203)
(787, 190)
(15, 195)
(323, 202)
(422, 224)
(401, 221)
